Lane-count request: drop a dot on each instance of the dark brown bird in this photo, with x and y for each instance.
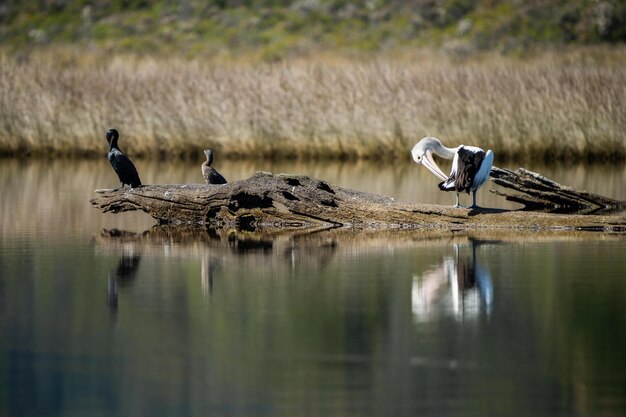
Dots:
(211, 176)
(122, 165)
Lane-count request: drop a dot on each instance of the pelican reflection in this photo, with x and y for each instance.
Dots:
(459, 286)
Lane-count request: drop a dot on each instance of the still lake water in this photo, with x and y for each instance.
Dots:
(162, 323)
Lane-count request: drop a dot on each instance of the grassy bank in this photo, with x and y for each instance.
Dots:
(567, 105)
(279, 29)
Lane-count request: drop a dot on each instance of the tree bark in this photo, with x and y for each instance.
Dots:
(294, 202)
(543, 194)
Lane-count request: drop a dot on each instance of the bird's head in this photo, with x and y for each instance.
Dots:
(112, 136)
(422, 154)
(209, 156)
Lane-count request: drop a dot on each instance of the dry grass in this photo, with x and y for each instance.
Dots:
(564, 106)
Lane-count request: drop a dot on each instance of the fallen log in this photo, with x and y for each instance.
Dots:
(543, 194)
(283, 202)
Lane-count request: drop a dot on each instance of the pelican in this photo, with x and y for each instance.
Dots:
(470, 166)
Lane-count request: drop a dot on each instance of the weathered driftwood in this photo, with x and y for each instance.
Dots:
(544, 194)
(284, 202)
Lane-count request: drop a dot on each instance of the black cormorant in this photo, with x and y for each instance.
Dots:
(124, 168)
(209, 173)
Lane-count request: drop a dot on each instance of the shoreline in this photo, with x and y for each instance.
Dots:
(405, 159)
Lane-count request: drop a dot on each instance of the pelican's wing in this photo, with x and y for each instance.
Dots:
(483, 172)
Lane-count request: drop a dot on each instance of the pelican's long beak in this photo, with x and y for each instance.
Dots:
(429, 163)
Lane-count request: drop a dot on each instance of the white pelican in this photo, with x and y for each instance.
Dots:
(470, 166)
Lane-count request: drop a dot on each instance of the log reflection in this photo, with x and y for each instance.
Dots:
(295, 251)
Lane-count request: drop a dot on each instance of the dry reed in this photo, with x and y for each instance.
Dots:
(547, 107)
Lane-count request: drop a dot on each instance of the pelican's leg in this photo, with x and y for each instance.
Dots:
(457, 205)
(474, 205)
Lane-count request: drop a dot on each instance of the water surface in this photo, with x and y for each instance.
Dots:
(95, 321)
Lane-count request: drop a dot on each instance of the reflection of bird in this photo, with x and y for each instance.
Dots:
(459, 285)
(127, 268)
(124, 168)
(473, 282)
(125, 272)
(304, 256)
(470, 166)
(206, 275)
(210, 174)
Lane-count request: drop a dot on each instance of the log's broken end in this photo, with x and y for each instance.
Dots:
(539, 193)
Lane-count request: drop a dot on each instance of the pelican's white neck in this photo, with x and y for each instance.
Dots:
(438, 149)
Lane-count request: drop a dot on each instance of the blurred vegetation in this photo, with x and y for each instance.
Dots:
(314, 78)
(276, 29)
(567, 105)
